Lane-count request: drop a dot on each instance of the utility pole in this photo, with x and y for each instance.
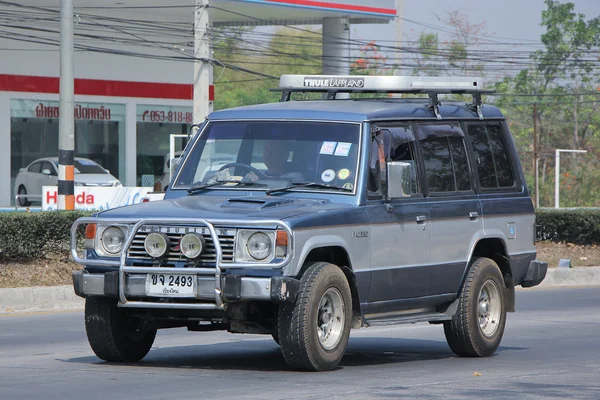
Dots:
(336, 49)
(535, 156)
(66, 119)
(202, 65)
(399, 17)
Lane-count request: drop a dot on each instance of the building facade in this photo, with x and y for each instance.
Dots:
(126, 106)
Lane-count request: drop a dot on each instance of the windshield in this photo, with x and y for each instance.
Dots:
(88, 167)
(264, 155)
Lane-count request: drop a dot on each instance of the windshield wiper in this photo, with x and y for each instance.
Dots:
(307, 184)
(222, 182)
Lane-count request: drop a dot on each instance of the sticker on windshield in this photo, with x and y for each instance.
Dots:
(348, 186)
(328, 148)
(343, 174)
(343, 149)
(328, 175)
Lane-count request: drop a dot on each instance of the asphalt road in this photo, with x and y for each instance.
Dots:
(551, 349)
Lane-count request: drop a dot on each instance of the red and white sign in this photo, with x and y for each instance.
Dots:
(96, 198)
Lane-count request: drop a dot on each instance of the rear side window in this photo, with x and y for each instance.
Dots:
(494, 166)
(445, 158)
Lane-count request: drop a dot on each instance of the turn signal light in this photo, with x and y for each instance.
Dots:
(282, 238)
(281, 243)
(90, 235)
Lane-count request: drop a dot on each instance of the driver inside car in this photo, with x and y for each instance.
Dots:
(277, 155)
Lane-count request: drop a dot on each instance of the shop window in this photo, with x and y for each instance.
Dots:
(155, 125)
(99, 134)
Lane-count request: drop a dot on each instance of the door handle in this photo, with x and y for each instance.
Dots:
(421, 219)
(473, 215)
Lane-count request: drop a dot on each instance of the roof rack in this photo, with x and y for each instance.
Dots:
(432, 86)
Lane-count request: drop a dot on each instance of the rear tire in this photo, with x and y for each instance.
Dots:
(314, 331)
(112, 335)
(477, 329)
(23, 202)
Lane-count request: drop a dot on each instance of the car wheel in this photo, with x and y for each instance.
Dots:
(314, 330)
(23, 200)
(112, 335)
(477, 329)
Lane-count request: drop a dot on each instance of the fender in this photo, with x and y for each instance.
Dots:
(508, 278)
(316, 242)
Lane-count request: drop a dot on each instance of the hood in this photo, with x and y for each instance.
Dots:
(225, 207)
(95, 178)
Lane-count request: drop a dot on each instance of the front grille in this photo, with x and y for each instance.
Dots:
(136, 251)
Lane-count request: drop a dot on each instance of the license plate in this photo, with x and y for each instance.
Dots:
(168, 285)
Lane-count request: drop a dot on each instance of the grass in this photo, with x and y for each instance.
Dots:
(56, 271)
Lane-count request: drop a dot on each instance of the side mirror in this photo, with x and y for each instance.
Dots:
(46, 171)
(398, 179)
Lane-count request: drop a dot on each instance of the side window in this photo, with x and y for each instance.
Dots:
(37, 167)
(445, 158)
(438, 165)
(461, 163)
(47, 165)
(391, 143)
(491, 155)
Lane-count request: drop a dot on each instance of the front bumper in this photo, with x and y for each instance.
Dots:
(234, 288)
(536, 272)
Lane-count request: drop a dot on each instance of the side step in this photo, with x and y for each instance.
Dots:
(408, 319)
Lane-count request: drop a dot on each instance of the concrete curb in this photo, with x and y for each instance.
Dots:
(583, 276)
(39, 298)
(60, 298)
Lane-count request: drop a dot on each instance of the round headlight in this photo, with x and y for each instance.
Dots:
(192, 245)
(113, 240)
(259, 246)
(156, 244)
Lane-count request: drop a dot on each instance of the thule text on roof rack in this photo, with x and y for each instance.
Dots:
(432, 86)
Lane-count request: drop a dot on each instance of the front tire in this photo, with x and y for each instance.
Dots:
(23, 202)
(113, 336)
(477, 329)
(314, 331)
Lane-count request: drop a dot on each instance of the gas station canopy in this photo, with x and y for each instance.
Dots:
(299, 12)
(237, 12)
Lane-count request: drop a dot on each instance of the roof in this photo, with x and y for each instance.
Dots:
(354, 110)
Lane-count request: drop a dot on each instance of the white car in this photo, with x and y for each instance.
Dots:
(44, 172)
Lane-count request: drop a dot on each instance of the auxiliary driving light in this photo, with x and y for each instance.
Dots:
(156, 244)
(192, 245)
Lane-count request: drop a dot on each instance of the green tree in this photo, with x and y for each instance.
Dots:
(566, 65)
(454, 57)
(288, 51)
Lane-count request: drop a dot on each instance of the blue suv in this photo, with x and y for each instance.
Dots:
(305, 219)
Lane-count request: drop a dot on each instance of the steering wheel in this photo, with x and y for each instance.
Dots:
(244, 166)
